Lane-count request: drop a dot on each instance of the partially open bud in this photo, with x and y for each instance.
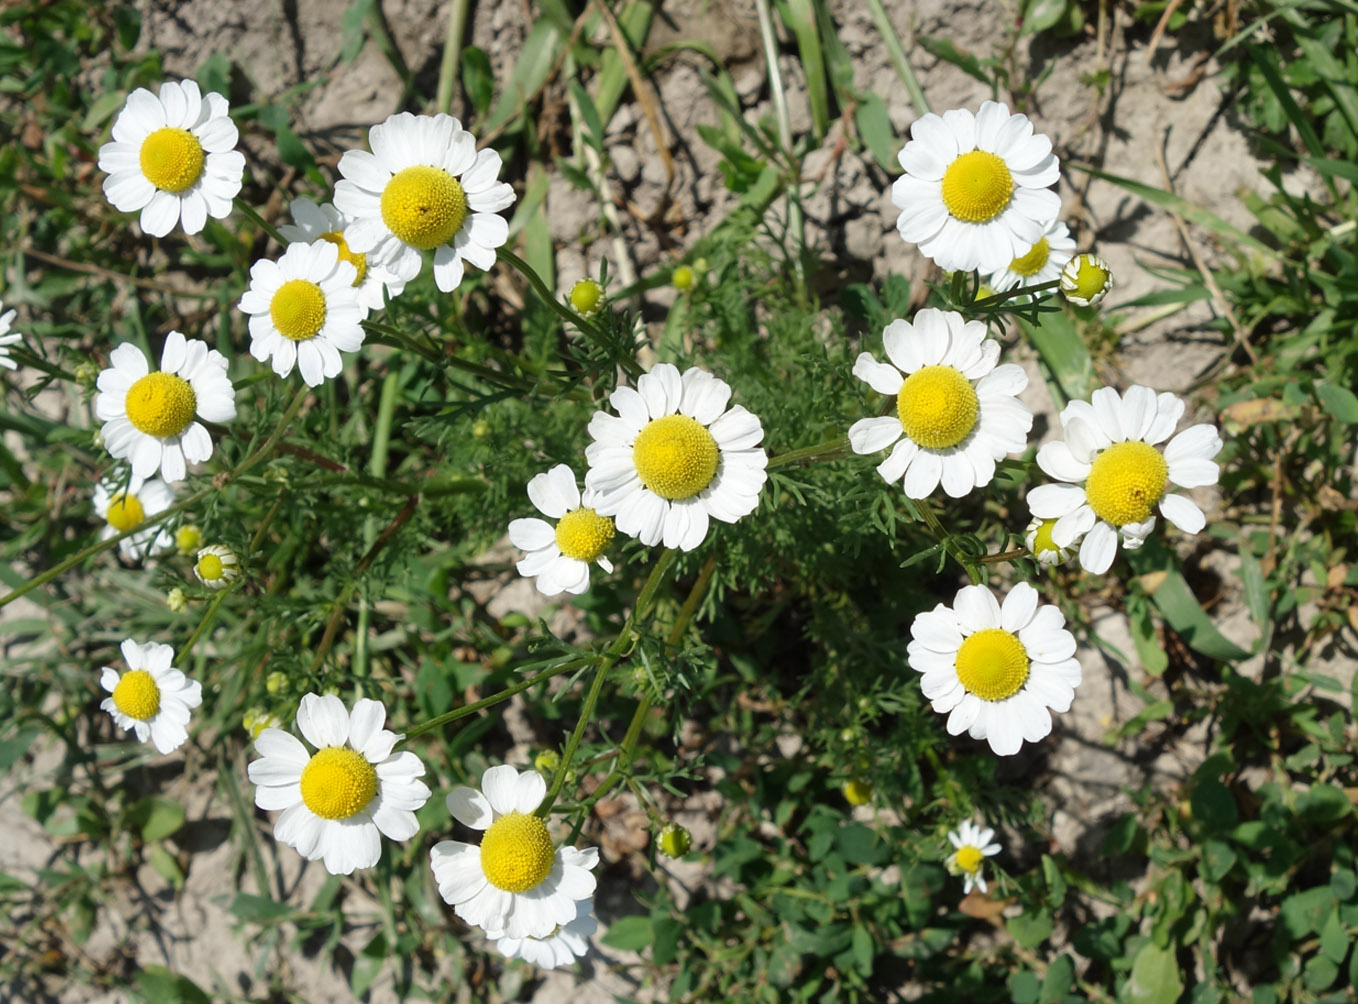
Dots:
(187, 539)
(217, 566)
(675, 841)
(683, 278)
(586, 297)
(1086, 280)
(1038, 539)
(176, 600)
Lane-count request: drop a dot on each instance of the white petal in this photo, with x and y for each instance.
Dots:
(868, 435)
(1099, 548)
(1183, 513)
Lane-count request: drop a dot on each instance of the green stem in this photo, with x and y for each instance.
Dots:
(259, 221)
(208, 615)
(927, 514)
(501, 695)
(831, 449)
(452, 50)
(404, 341)
(769, 40)
(993, 559)
(1017, 291)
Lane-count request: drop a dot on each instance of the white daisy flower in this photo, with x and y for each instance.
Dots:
(337, 800)
(516, 883)
(326, 223)
(560, 556)
(304, 308)
(152, 698)
(6, 339)
(149, 417)
(125, 510)
(956, 411)
(675, 456)
(173, 157)
(1041, 263)
(424, 187)
(975, 191)
(996, 670)
(560, 948)
(1038, 539)
(217, 566)
(971, 846)
(1117, 477)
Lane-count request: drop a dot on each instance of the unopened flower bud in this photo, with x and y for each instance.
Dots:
(675, 841)
(1086, 280)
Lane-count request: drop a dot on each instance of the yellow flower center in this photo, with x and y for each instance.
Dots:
(968, 858)
(359, 261)
(977, 187)
(1032, 263)
(675, 457)
(583, 534)
(992, 664)
(1125, 482)
(1086, 280)
(857, 792)
(172, 159)
(298, 310)
(424, 206)
(125, 512)
(161, 405)
(937, 406)
(338, 782)
(210, 567)
(585, 296)
(1042, 538)
(517, 852)
(137, 695)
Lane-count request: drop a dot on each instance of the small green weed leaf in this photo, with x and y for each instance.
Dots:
(1334, 939)
(1217, 859)
(1325, 804)
(1155, 977)
(1060, 978)
(1303, 913)
(1029, 929)
(876, 131)
(665, 946)
(629, 933)
(1040, 15)
(863, 949)
(159, 985)
(15, 747)
(156, 817)
(1320, 973)
(258, 908)
(478, 79)
(594, 127)
(1340, 402)
(103, 108)
(1214, 806)
(354, 30)
(1023, 987)
(859, 845)
(166, 866)
(535, 62)
(1180, 607)
(943, 49)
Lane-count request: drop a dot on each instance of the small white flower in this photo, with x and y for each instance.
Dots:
(217, 566)
(125, 510)
(560, 948)
(152, 698)
(516, 883)
(325, 222)
(1041, 263)
(560, 556)
(1038, 539)
(971, 846)
(956, 411)
(975, 191)
(173, 157)
(304, 308)
(424, 187)
(675, 456)
(6, 339)
(339, 801)
(996, 670)
(149, 417)
(1117, 477)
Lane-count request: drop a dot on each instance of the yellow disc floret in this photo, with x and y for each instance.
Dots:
(1033, 262)
(424, 206)
(354, 258)
(517, 852)
(298, 310)
(977, 187)
(187, 539)
(675, 457)
(125, 512)
(583, 534)
(338, 782)
(968, 858)
(992, 664)
(209, 567)
(857, 791)
(137, 695)
(1086, 280)
(1125, 482)
(161, 405)
(937, 407)
(172, 159)
(586, 296)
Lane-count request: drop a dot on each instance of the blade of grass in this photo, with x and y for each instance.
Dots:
(897, 53)
(800, 17)
(452, 51)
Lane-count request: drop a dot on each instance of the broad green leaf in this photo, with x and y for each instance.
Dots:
(1303, 913)
(535, 61)
(1030, 930)
(1340, 402)
(1065, 355)
(629, 933)
(258, 908)
(156, 817)
(159, 985)
(859, 845)
(1155, 977)
(1180, 607)
(478, 80)
(876, 131)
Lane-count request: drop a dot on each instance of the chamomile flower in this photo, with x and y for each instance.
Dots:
(1085, 280)
(995, 670)
(152, 698)
(517, 883)
(7, 339)
(304, 309)
(217, 566)
(1038, 539)
(1041, 263)
(971, 846)
(326, 223)
(674, 457)
(339, 801)
(560, 948)
(1117, 476)
(975, 191)
(126, 510)
(149, 417)
(424, 187)
(956, 411)
(586, 297)
(560, 556)
(173, 157)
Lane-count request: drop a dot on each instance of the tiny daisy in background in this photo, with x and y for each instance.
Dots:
(1115, 475)
(516, 883)
(177, 600)
(149, 417)
(586, 297)
(424, 187)
(675, 456)
(560, 557)
(304, 309)
(975, 193)
(1038, 539)
(674, 841)
(339, 801)
(326, 223)
(126, 510)
(173, 157)
(7, 339)
(560, 948)
(971, 846)
(217, 566)
(996, 670)
(1041, 263)
(1085, 280)
(188, 539)
(152, 698)
(956, 411)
